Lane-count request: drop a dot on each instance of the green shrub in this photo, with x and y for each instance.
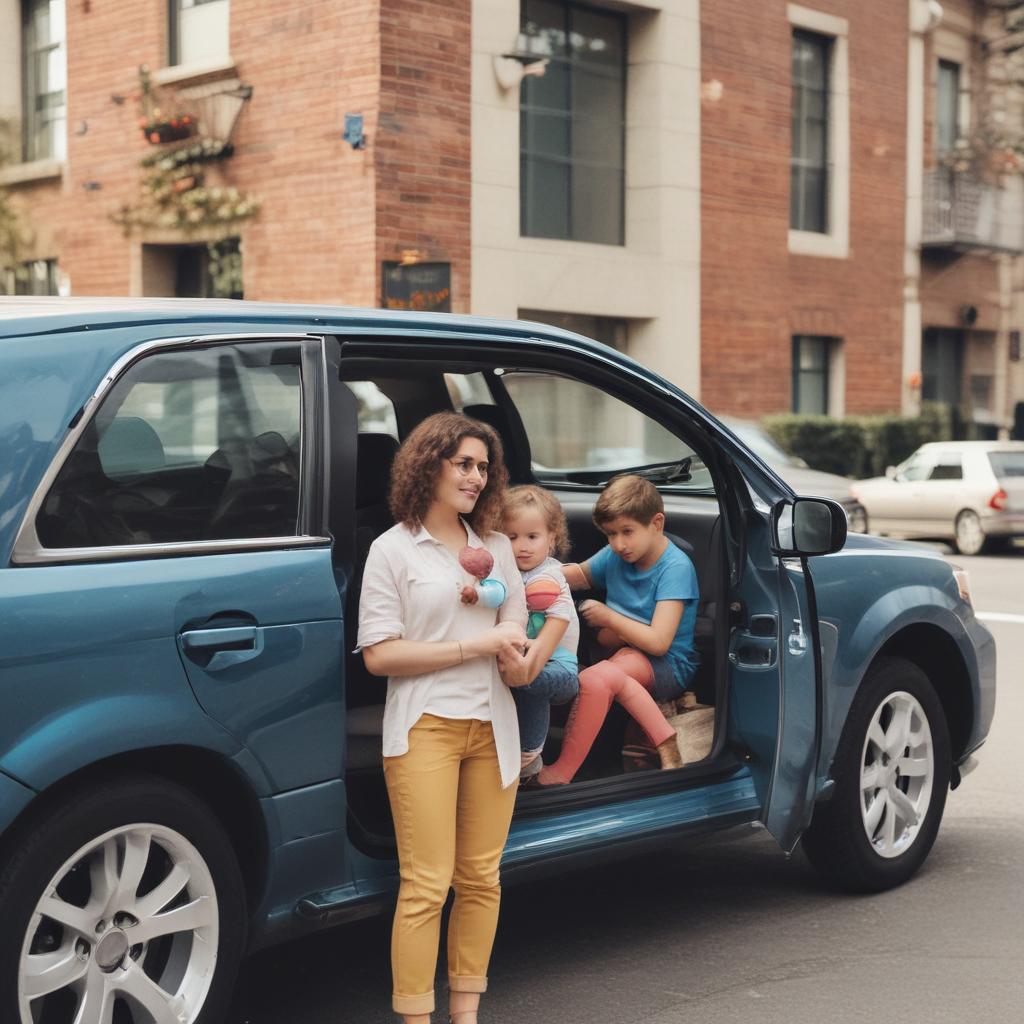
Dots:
(859, 446)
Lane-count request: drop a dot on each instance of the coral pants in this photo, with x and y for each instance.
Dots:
(627, 676)
(451, 821)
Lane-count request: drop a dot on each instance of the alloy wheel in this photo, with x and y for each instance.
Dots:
(897, 774)
(127, 929)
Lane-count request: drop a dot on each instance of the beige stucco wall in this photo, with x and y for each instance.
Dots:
(654, 279)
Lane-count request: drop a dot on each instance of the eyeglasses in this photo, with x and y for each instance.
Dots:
(467, 465)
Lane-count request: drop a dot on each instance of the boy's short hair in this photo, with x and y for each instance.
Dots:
(628, 495)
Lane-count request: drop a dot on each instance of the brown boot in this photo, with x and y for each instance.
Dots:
(669, 754)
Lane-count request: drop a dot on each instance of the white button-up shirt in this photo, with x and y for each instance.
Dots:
(411, 587)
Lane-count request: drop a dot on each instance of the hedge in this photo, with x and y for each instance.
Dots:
(859, 446)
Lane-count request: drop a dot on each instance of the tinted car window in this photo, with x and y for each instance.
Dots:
(579, 433)
(948, 467)
(1006, 464)
(193, 445)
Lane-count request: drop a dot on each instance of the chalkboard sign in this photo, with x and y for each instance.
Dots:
(425, 287)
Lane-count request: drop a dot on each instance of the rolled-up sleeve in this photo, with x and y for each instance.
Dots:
(381, 613)
(514, 608)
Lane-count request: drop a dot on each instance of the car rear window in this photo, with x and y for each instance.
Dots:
(1006, 464)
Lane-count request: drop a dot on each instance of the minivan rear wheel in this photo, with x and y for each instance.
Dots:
(123, 903)
(891, 772)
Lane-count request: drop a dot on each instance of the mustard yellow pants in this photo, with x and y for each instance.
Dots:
(451, 822)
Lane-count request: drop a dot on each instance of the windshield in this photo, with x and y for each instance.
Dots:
(762, 445)
(1005, 464)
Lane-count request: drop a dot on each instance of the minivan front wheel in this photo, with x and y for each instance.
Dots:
(122, 904)
(891, 773)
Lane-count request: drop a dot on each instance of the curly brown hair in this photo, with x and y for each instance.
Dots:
(531, 496)
(418, 462)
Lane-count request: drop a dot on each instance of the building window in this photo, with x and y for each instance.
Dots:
(37, 277)
(811, 375)
(947, 113)
(199, 30)
(45, 80)
(809, 172)
(573, 124)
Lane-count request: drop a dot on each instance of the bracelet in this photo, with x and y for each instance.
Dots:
(462, 656)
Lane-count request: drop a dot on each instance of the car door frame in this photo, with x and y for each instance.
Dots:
(725, 455)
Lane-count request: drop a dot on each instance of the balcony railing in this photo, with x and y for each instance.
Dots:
(962, 212)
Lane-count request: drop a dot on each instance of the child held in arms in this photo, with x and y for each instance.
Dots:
(646, 626)
(535, 524)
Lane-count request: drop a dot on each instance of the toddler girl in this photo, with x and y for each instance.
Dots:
(535, 524)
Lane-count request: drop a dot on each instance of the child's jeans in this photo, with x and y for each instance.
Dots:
(556, 684)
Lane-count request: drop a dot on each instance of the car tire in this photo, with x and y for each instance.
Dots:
(865, 839)
(124, 898)
(968, 536)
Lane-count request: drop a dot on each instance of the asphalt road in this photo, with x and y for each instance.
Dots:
(727, 929)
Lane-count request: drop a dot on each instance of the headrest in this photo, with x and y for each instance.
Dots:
(374, 456)
(128, 446)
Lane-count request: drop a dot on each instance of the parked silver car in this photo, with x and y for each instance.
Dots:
(798, 474)
(967, 492)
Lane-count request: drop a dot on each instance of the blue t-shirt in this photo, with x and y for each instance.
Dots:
(635, 592)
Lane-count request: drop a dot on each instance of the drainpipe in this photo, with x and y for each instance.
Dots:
(924, 15)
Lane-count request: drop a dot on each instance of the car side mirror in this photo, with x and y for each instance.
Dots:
(890, 472)
(802, 527)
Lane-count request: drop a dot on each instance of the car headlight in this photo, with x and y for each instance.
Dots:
(963, 583)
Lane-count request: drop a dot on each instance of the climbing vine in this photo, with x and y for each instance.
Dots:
(181, 186)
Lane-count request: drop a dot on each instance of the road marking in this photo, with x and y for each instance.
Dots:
(1000, 617)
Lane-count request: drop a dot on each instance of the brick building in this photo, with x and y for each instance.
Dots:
(725, 189)
(802, 302)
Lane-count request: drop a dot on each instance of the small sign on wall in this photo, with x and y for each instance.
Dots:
(424, 287)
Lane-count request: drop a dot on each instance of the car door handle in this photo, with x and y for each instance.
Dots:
(756, 652)
(218, 649)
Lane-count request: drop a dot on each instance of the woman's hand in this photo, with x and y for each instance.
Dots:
(492, 641)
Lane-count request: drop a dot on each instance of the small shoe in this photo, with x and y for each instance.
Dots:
(669, 754)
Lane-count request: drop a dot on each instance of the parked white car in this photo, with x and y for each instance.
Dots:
(967, 492)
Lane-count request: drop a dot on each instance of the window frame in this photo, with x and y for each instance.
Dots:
(568, 6)
(30, 49)
(834, 243)
(28, 550)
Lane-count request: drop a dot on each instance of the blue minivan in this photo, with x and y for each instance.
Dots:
(190, 754)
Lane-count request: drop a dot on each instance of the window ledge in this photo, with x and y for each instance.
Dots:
(34, 170)
(175, 73)
(810, 243)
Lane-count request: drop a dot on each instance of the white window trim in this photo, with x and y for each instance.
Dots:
(33, 170)
(175, 73)
(834, 244)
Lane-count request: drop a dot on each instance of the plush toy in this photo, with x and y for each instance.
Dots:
(479, 562)
(541, 594)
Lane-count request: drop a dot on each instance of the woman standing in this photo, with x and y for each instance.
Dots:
(451, 739)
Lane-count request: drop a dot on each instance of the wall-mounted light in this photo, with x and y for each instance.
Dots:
(92, 186)
(511, 68)
(353, 133)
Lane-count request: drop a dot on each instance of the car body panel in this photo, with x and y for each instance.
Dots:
(899, 585)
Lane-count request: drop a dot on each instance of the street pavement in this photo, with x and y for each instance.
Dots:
(727, 929)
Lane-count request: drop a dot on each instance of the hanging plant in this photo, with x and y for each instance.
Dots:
(174, 192)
